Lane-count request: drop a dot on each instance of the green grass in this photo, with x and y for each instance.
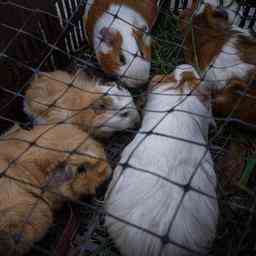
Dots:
(167, 49)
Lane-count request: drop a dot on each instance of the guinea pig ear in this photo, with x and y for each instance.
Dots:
(107, 35)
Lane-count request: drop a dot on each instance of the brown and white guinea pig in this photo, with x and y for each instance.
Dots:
(222, 50)
(119, 30)
(97, 108)
(40, 170)
(162, 198)
(227, 55)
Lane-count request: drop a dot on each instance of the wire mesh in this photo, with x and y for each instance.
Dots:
(49, 36)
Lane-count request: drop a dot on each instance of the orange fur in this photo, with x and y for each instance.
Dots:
(145, 50)
(160, 80)
(31, 189)
(111, 61)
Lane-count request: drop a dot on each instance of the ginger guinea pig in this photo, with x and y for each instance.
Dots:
(40, 170)
(97, 108)
(118, 30)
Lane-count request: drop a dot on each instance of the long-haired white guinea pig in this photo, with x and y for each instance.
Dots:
(162, 198)
(97, 108)
(118, 31)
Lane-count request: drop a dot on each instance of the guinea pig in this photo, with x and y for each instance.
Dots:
(222, 50)
(99, 109)
(40, 170)
(118, 31)
(162, 198)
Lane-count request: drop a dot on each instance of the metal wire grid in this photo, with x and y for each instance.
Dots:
(174, 43)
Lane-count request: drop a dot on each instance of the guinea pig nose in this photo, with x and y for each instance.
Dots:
(222, 13)
(81, 169)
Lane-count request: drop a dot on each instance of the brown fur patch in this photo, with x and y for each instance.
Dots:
(247, 47)
(206, 38)
(111, 61)
(189, 77)
(229, 100)
(160, 80)
(144, 49)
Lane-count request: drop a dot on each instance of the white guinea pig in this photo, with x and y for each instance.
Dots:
(118, 31)
(162, 199)
(99, 109)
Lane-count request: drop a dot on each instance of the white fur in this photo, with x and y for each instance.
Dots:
(122, 103)
(178, 73)
(136, 70)
(105, 49)
(228, 64)
(149, 201)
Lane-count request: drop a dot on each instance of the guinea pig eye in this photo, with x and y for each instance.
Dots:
(122, 59)
(145, 29)
(81, 169)
(101, 105)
